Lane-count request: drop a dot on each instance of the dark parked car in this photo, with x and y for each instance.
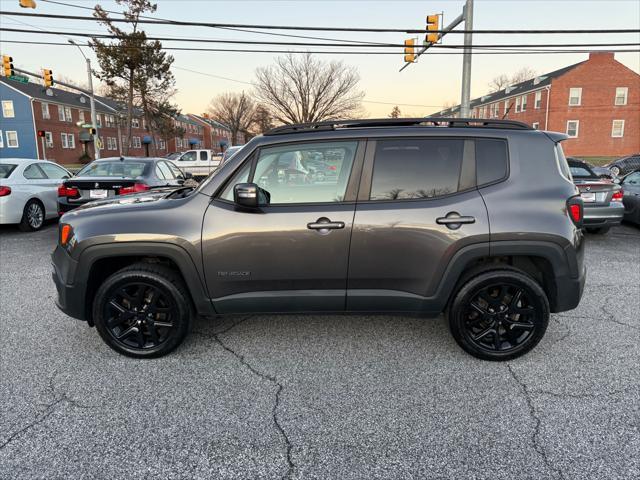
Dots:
(631, 199)
(602, 199)
(111, 177)
(403, 227)
(624, 165)
(601, 172)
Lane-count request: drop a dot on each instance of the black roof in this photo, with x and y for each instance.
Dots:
(56, 95)
(512, 90)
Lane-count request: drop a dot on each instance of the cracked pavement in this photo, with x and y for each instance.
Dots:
(320, 396)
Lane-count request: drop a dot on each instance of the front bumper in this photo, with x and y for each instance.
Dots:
(70, 296)
(603, 216)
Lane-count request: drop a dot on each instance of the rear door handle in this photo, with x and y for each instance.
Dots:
(324, 223)
(454, 220)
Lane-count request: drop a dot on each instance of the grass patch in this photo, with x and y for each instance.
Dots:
(597, 161)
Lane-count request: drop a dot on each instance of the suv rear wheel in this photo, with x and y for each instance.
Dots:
(142, 311)
(499, 314)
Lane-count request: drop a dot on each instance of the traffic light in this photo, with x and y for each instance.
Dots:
(433, 23)
(42, 133)
(7, 66)
(28, 3)
(409, 50)
(92, 131)
(47, 76)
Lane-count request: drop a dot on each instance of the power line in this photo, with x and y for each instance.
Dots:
(337, 52)
(151, 20)
(307, 44)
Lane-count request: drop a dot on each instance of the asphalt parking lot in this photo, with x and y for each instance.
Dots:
(320, 396)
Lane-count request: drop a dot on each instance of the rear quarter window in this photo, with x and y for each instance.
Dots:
(6, 170)
(491, 160)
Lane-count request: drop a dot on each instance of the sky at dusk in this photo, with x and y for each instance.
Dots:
(426, 85)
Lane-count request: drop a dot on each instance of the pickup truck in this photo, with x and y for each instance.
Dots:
(199, 163)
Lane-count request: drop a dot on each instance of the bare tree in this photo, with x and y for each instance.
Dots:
(304, 89)
(395, 112)
(236, 110)
(525, 73)
(499, 82)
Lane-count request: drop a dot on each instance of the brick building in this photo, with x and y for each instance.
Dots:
(192, 138)
(596, 102)
(217, 136)
(30, 107)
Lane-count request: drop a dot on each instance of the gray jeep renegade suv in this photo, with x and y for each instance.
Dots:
(478, 219)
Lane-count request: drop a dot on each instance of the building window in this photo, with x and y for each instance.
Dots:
(81, 116)
(506, 107)
(572, 128)
(136, 142)
(63, 138)
(575, 96)
(45, 111)
(178, 142)
(71, 140)
(7, 109)
(617, 128)
(48, 137)
(12, 139)
(621, 95)
(163, 145)
(537, 102)
(135, 123)
(524, 103)
(1, 140)
(67, 114)
(536, 125)
(123, 139)
(99, 120)
(61, 113)
(517, 104)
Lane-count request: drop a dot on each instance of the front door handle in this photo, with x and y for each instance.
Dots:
(323, 225)
(453, 220)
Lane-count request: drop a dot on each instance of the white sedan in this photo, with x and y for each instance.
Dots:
(29, 191)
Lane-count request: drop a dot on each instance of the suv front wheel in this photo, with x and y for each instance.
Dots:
(499, 314)
(143, 310)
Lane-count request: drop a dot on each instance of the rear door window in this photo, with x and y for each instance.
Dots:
(408, 169)
(166, 171)
(53, 171)
(204, 156)
(33, 172)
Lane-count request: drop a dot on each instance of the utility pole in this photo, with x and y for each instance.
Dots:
(465, 99)
(94, 119)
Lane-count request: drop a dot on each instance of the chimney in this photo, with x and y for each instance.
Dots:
(601, 56)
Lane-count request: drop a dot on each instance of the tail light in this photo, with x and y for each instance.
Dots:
(69, 192)
(575, 208)
(4, 191)
(617, 196)
(136, 188)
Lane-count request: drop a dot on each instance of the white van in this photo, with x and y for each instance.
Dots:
(200, 163)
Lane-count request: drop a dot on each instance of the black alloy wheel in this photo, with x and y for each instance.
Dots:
(499, 315)
(139, 315)
(142, 310)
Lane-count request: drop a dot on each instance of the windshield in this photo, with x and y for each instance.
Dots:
(6, 169)
(116, 168)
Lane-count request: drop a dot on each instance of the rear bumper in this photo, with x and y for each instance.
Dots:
(65, 206)
(70, 297)
(603, 216)
(569, 292)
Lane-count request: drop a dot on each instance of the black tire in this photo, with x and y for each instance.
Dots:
(143, 310)
(33, 216)
(504, 326)
(599, 231)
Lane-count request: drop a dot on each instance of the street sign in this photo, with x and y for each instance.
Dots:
(19, 78)
(86, 125)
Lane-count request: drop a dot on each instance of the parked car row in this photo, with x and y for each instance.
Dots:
(32, 191)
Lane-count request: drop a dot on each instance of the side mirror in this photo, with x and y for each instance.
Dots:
(250, 195)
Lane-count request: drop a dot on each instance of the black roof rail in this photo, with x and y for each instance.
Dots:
(397, 122)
